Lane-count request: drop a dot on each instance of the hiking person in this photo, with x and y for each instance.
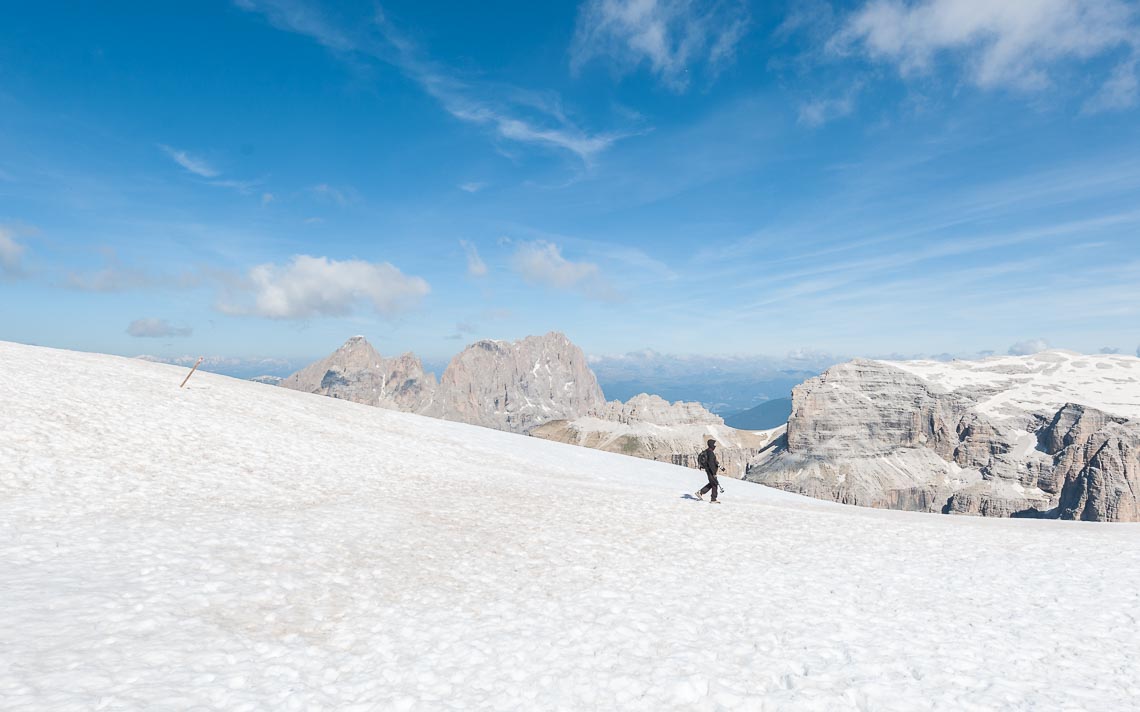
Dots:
(707, 461)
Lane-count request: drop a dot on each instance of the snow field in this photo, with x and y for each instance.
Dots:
(1042, 382)
(241, 547)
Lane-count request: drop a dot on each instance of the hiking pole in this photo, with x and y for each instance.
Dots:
(188, 375)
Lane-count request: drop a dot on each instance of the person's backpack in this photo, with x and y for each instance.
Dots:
(703, 460)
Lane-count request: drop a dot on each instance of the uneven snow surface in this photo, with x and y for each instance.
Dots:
(234, 546)
(1042, 382)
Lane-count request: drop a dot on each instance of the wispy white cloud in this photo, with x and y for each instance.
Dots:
(196, 165)
(1120, 91)
(817, 112)
(541, 263)
(156, 328)
(472, 187)
(267, 198)
(110, 279)
(340, 196)
(302, 19)
(670, 36)
(514, 115)
(11, 255)
(308, 287)
(116, 277)
(245, 187)
(1027, 347)
(1000, 44)
(203, 169)
(476, 267)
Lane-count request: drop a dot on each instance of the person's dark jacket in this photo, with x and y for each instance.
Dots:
(712, 466)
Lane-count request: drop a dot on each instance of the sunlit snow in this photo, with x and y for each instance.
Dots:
(236, 546)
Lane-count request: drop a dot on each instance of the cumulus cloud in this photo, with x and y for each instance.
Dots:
(671, 36)
(317, 286)
(476, 267)
(11, 255)
(1027, 347)
(156, 328)
(1000, 44)
(541, 263)
(194, 164)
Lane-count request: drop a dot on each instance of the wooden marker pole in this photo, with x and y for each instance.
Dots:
(188, 375)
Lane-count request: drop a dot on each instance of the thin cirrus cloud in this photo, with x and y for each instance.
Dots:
(818, 112)
(512, 114)
(340, 196)
(156, 328)
(476, 267)
(11, 255)
(670, 36)
(112, 278)
(308, 287)
(541, 263)
(203, 169)
(1013, 45)
(116, 277)
(195, 164)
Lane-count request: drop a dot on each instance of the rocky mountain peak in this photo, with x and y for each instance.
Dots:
(646, 408)
(357, 372)
(517, 385)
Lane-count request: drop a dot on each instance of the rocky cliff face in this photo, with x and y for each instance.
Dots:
(357, 372)
(650, 427)
(992, 438)
(515, 386)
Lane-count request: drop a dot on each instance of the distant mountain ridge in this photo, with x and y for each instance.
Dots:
(539, 385)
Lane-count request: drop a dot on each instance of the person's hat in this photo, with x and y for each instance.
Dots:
(712, 442)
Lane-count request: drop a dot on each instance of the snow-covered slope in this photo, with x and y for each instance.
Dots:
(231, 546)
(1010, 386)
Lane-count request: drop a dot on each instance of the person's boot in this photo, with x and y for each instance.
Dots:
(714, 501)
(697, 494)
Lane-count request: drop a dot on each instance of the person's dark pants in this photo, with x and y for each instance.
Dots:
(712, 485)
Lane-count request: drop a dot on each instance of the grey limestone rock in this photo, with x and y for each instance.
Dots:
(650, 427)
(358, 373)
(516, 386)
(875, 434)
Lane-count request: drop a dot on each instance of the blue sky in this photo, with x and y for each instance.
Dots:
(268, 177)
